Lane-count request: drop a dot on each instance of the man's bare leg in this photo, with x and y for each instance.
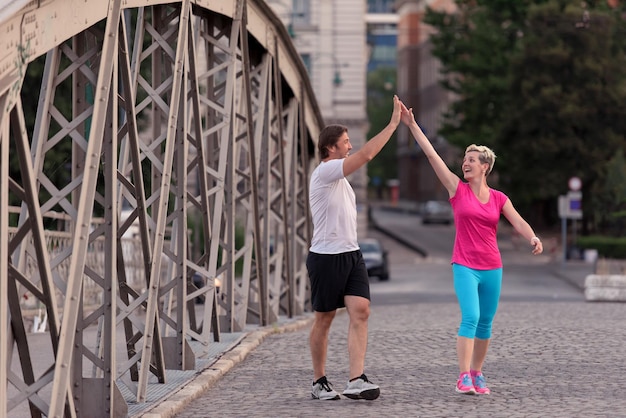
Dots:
(318, 341)
(359, 312)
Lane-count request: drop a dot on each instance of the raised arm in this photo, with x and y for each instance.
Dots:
(372, 147)
(449, 180)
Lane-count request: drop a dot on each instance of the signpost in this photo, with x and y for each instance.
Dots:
(570, 207)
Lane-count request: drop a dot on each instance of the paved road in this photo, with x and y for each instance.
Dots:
(552, 355)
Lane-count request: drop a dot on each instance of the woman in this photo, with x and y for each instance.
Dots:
(476, 260)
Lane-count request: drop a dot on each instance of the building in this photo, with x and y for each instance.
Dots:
(382, 34)
(419, 87)
(340, 41)
(330, 36)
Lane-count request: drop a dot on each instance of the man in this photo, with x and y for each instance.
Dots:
(335, 264)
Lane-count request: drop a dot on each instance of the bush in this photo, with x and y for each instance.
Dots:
(608, 247)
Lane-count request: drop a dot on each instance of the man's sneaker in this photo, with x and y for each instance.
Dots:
(480, 384)
(361, 388)
(322, 389)
(464, 384)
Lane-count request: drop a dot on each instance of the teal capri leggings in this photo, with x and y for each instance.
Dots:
(478, 293)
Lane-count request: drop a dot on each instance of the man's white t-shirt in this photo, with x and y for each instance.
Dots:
(333, 210)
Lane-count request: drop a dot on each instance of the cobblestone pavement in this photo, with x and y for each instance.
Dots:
(547, 359)
(552, 354)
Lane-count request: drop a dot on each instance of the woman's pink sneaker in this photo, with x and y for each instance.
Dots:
(464, 385)
(480, 384)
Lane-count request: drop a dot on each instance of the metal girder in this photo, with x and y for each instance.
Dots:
(4, 252)
(61, 390)
(185, 132)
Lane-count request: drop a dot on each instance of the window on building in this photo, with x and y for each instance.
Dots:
(380, 6)
(384, 53)
(306, 59)
(301, 11)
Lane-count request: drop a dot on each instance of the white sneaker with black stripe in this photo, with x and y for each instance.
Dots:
(361, 388)
(322, 389)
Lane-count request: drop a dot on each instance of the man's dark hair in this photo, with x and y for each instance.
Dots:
(329, 137)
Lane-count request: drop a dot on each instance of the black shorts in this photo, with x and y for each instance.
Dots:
(334, 276)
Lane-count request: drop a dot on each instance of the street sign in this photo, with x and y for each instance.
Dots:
(570, 206)
(574, 184)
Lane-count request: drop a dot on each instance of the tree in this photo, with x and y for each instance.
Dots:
(543, 83)
(475, 46)
(569, 81)
(610, 198)
(380, 86)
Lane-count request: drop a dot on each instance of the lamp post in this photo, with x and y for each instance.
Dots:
(337, 78)
(336, 65)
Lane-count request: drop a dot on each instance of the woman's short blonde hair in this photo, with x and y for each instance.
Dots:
(486, 155)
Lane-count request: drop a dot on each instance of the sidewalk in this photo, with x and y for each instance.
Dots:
(174, 399)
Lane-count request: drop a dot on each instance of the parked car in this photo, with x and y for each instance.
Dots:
(375, 257)
(437, 211)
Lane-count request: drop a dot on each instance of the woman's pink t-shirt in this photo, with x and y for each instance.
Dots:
(475, 243)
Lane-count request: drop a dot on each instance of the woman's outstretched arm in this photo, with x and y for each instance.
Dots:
(449, 180)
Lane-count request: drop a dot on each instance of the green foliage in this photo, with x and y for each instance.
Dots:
(380, 89)
(610, 196)
(608, 247)
(475, 47)
(543, 83)
(569, 120)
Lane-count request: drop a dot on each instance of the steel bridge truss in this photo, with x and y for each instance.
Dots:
(186, 126)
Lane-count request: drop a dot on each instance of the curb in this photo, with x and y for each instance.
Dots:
(578, 284)
(397, 238)
(575, 273)
(176, 401)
